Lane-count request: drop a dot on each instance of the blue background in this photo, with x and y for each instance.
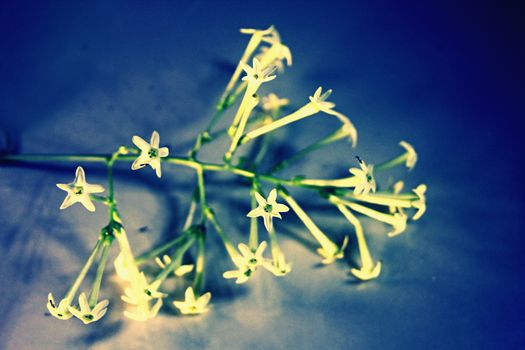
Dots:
(82, 77)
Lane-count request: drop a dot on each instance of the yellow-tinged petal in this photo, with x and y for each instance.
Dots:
(411, 159)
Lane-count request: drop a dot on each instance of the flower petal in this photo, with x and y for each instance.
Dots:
(164, 152)
(260, 199)
(272, 197)
(155, 139)
(80, 176)
(141, 143)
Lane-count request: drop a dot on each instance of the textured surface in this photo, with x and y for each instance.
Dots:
(79, 79)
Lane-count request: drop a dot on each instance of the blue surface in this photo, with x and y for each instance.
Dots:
(446, 76)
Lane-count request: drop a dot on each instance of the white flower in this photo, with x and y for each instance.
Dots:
(319, 102)
(150, 153)
(247, 263)
(60, 311)
(279, 267)
(86, 314)
(121, 268)
(399, 224)
(268, 209)
(79, 191)
(143, 312)
(191, 305)
(331, 255)
(179, 271)
(272, 102)
(411, 155)
(421, 203)
(365, 175)
(142, 291)
(256, 74)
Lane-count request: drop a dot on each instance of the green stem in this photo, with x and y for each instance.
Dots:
(93, 295)
(399, 160)
(158, 251)
(82, 275)
(254, 233)
(224, 237)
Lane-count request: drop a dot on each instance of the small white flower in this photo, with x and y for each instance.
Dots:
(79, 191)
(399, 224)
(143, 312)
(86, 314)
(150, 153)
(256, 74)
(411, 154)
(365, 175)
(142, 291)
(179, 271)
(421, 203)
(247, 263)
(59, 311)
(121, 267)
(279, 267)
(272, 102)
(192, 305)
(331, 255)
(268, 209)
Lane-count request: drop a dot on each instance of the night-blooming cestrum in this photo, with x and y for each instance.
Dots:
(86, 314)
(256, 75)
(142, 291)
(247, 263)
(272, 102)
(268, 209)
(331, 255)
(179, 271)
(150, 153)
(365, 175)
(420, 204)
(79, 191)
(411, 155)
(279, 267)
(59, 311)
(192, 305)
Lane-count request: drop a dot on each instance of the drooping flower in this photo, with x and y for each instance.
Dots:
(141, 291)
(121, 268)
(247, 262)
(365, 175)
(59, 311)
(79, 191)
(193, 305)
(150, 153)
(179, 271)
(268, 208)
(143, 312)
(279, 267)
(331, 255)
(86, 314)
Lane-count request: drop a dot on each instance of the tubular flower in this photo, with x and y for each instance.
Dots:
(179, 272)
(279, 267)
(150, 153)
(411, 155)
(276, 53)
(247, 263)
(142, 290)
(193, 305)
(86, 314)
(121, 268)
(59, 311)
(79, 191)
(396, 189)
(143, 312)
(268, 209)
(420, 204)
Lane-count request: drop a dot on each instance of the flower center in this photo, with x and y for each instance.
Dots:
(268, 208)
(368, 178)
(78, 190)
(153, 153)
(253, 261)
(148, 292)
(88, 317)
(248, 273)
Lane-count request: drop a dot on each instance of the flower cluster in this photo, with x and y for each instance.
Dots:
(256, 114)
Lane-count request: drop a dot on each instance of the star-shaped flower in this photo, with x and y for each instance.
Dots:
(192, 305)
(79, 191)
(268, 209)
(59, 311)
(86, 314)
(365, 175)
(150, 153)
(256, 74)
(247, 263)
(272, 102)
